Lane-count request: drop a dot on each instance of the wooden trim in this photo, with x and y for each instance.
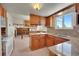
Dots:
(63, 9)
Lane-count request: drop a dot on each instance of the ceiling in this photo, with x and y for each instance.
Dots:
(26, 8)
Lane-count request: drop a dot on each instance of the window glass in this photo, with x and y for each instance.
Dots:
(68, 20)
(59, 22)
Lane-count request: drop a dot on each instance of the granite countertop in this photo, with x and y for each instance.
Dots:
(64, 36)
(57, 35)
(62, 49)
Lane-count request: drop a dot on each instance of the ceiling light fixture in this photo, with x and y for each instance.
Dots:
(37, 6)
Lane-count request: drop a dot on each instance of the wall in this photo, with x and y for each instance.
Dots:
(10, 34)
(1, 16)
(19, 19)
(0, 40)
(15, 19)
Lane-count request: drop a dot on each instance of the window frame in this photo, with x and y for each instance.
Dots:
(56, 22)
(63, 27)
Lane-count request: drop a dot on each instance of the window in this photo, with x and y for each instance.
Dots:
(64, 22)
(68, 20)
(59, 22)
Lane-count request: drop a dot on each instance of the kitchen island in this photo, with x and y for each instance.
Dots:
(55, 43)
(41, 40)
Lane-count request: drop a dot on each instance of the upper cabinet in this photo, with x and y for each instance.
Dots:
(2, 11)
(37, 20)
(42, 20)
(34, 19)
(3, 16)
(50, 21)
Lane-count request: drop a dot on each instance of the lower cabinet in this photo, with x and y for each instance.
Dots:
(35, 43)
(59, 40)
(49, 40)
(40, 41)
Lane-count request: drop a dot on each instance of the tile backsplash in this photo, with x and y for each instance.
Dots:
(70, 32)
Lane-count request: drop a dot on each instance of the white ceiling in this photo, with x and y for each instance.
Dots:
(26, 8)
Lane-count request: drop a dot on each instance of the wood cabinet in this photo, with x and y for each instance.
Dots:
(50, 21)
(37, 42)
(49, 40)
(2, 11)
(53, 40)
(40, 41)
(34, 19)
(59, 40)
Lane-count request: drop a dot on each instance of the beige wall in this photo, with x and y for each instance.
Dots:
(0, 44)
(10, 34)
(60, 31)
(0, 40)
(70, 32)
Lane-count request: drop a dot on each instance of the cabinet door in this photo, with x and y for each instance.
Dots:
(50, 21)
(59, 40)
(47, 21)
(42, 41)
(34, 19)
(35, 42)
(50, 40)
(2, 11)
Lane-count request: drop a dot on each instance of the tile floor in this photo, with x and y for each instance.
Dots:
(21, 48)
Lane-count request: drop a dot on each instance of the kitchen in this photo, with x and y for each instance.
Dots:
(56, 33)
